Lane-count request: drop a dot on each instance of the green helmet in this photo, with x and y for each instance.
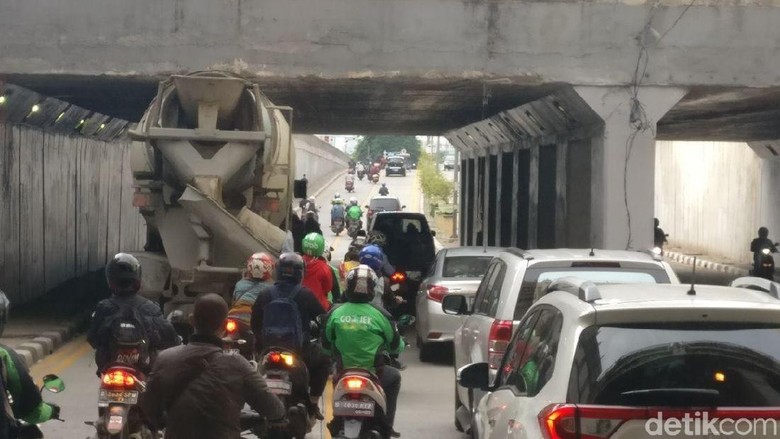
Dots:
(313, 245)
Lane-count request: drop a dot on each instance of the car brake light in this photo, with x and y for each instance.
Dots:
(118, 378)
(437, 292)
(231, 326)
(498, 340)
(354, 383)
(398, 277)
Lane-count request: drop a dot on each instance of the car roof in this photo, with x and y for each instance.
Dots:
(414, 215)
(472, 251)
(387, 197)
(598, 254)
(654, 303)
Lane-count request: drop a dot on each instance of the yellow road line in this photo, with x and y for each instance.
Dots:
(64, 358)
(327, 400)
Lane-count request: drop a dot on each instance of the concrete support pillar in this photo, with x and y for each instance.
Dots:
(561, 220)
(622, 214)
(466, 201)
(533, 197)
(486, 199)
(769, 200)
(477, 197)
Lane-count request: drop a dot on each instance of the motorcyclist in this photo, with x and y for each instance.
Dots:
(337, 211)
(383, 191)
(25, 401)
(318, 276)
(309, 205)
(335, 293)
(380, 240)
(354, 212)
(373, 256)
(289, 276)
(360, 168)
(258, 276)
(197, 390)
(358, 334)
(659, 235)
(123, 274)
(761, 243)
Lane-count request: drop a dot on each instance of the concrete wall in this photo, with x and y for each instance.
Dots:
(317, 159)
(712, 197)
(66, 206)
(585, 42)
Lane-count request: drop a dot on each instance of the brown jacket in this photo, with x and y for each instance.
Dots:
(209, 405)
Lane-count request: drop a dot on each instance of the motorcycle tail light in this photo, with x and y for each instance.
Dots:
(279, 357)
(354, 383)
(398, 277)
(118, 378)
(231, 326)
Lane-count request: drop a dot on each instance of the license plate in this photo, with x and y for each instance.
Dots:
(230, 351)
(118, 396)
(279, 387)
(344, 407)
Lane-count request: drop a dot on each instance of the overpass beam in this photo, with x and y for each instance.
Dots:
(624, 151)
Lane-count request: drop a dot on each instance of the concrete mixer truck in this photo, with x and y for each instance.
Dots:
(213, 164)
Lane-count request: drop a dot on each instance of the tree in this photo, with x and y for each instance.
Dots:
(372, 147)
(433, 184)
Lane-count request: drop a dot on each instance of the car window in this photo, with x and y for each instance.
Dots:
(396, 162)
(482, 289)
(466, 266)
(409, 242)
(538, 279)
(439, 257)
(510, 367)
(740, 362)
(534, 370)
(385, 204)
(492, 295)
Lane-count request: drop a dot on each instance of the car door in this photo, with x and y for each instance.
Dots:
(421, 300)
(512, 410)
(485, 311)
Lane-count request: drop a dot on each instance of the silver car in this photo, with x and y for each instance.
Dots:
(457, 270)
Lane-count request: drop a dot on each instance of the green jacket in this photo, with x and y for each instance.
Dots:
(27, 402)
(358, 332)
(354, 212)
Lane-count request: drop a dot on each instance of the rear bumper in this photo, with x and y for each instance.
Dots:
(437, 327)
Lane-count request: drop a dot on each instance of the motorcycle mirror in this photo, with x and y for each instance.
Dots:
(53, 383)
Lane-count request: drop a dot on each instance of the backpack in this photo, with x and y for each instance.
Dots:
(282, 324)
(128, 342)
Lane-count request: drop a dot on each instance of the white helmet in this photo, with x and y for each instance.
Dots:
(312, 199)
(338, 195)
(353, 201)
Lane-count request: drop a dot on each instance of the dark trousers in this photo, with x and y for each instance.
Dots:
(319, 364)
(390, 379)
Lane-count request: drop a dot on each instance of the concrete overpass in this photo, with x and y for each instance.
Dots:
(630, 70)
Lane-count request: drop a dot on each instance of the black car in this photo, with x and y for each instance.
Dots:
(410, 250)
(395, 166)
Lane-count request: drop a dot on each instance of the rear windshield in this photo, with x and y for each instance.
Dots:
(739, 362)
(396, 162)
(409, 241)
(466, 266)
(538, 279)
(384, 204)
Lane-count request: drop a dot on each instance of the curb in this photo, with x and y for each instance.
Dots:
(40, 347)
(715, 266)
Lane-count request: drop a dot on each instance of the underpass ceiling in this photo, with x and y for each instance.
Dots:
(424, 106)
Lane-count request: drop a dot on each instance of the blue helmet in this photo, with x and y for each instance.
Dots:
(373, 256)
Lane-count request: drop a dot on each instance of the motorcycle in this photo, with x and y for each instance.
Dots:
(53, 384)
(337, 226)
(361, 174)
(353, 227)
(284, 373)
(766, 265)
(238, 339)
(120, 418)
(359, 405)
(349, 186)
(375, 178)
(384, 191)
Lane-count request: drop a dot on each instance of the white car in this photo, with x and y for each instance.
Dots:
(636, 362)
(514, 280)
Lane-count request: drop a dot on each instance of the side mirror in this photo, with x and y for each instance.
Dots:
(433, 233)
(53, 383)
(299, 188)
(474, 376)
(455, 305)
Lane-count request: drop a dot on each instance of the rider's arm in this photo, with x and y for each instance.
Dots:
(329, 332)
(257, 395)
(93, 335)
(395, 344)
(166, 334)
(27, 402)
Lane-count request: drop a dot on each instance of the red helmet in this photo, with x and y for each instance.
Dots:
(260, 266)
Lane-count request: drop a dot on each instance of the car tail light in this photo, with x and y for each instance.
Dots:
(498, 340)
(398, 277)
(569, 421)
(370, 212)
(118, 378)
(437, 292)
(231, 326)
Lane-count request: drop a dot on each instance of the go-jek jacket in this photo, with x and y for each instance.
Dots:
(358, 333)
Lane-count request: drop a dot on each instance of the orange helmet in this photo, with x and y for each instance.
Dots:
(260, 266)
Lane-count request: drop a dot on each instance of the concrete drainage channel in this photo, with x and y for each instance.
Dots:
(34, 350)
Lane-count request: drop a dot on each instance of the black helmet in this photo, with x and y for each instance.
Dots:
(361, 284)
(123, 274)
(290, 268)
(763, 232)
